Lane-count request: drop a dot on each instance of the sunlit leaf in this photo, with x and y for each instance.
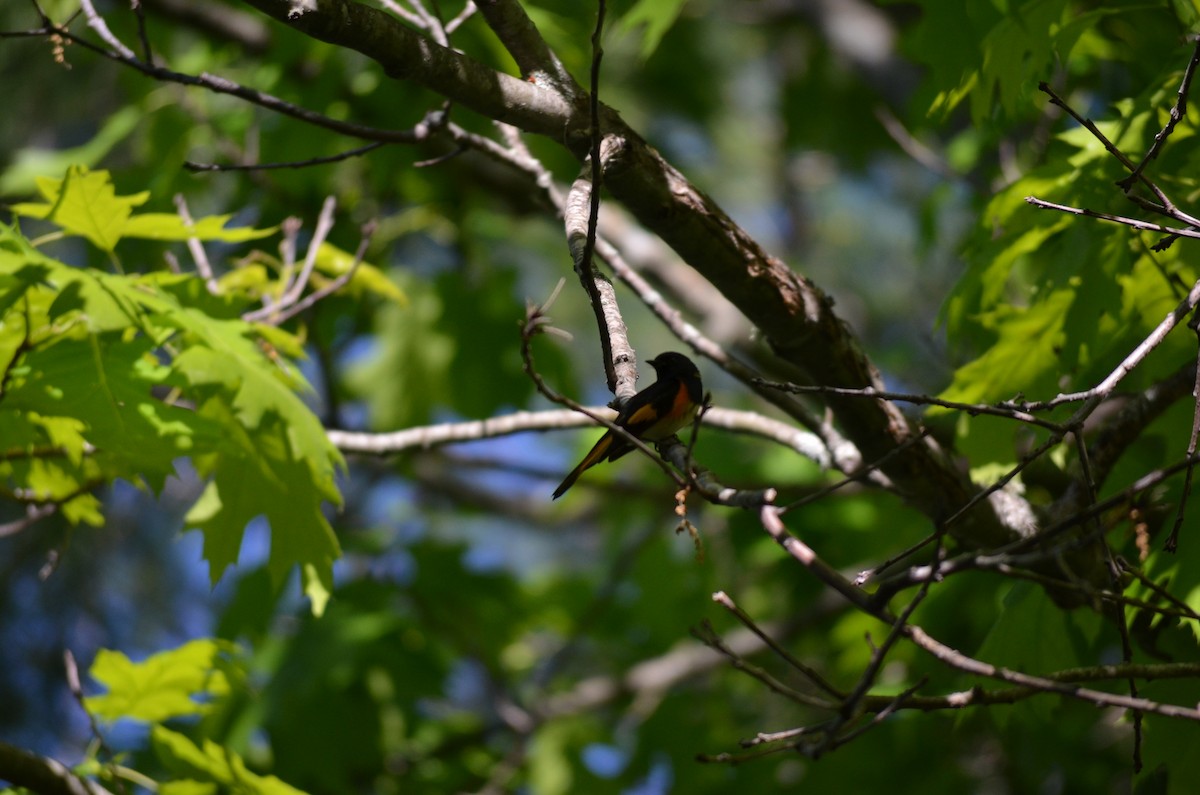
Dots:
(182, 681)
(211, 764)
(333, 261)
(84, 203)
(169, 226)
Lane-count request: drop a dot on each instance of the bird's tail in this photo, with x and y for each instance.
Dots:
(594, 456)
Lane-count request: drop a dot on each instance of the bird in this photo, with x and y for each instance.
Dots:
(655, 413)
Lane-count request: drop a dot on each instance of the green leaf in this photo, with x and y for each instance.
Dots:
(1188, 12)
(368, 278)
(1016, 53)
(169, 226)
(408, 375)
(277, 461)
(212, 764)
(493, 356)
(995, 258)
(170, 684)
(994, 54)
(1033, 635)
(84, 384)
(97, 389)
(1024, 358)
(550, 770)
(268, 479)
(92, 356)
(188, 787)
(655, 18)
(84, 203)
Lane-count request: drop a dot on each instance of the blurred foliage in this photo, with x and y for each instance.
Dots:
(473, 634)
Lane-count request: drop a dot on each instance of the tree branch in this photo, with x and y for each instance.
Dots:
(43, 775)
(406, 55)
(525, 44)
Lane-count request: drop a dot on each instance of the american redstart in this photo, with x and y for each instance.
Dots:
(652, 415)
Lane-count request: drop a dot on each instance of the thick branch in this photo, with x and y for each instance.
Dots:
(41, 774)
(580, 212)
(405, 54)
(517, 33)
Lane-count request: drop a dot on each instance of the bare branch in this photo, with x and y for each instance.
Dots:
(428, 436)
(796, 318)
(709, 637)
(1092, 397)
(223, 85)
(1166, 206)
(580, 211)
(960, 661)
(97, 23)
(1135, 223)
(196, 248)
(1007, 411)
(283, 313)
(467, 12)
(314, 161)
(1178, 111)
(723, 599)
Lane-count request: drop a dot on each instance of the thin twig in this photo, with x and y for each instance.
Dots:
(850, 705)
(861, 474)
(620, 368)
(97, 23)
(33, 515)
(709, 637)
(293, 291)
(1157, 589)
(1135, 223)
(139, 11)
(71, 669)
(196, 248)
(723, 599)
(1006, 411)
(1092, 397)
(415, 20)
(221, 85)
(282, 314)
(1178, 111)
(1167, 207)
(315, 161)
(467, 12)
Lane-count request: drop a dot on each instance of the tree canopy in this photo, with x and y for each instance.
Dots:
(307, 305)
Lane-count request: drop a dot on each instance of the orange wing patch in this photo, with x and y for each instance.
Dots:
(681, 412)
